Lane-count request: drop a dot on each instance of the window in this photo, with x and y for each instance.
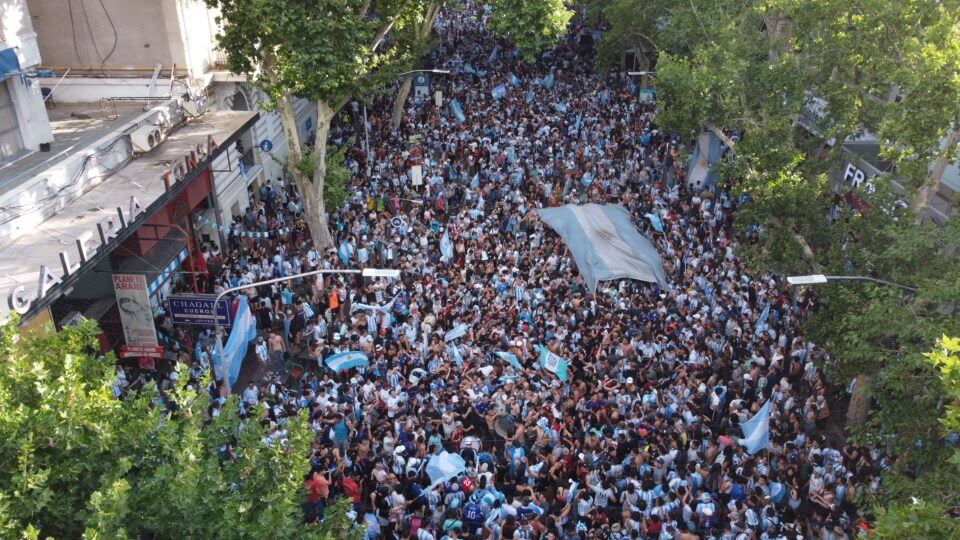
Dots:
(10, 141)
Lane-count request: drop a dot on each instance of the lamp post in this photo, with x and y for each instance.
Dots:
(815, 279)
(365, 272)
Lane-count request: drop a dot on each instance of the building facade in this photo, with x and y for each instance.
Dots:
(149, 142)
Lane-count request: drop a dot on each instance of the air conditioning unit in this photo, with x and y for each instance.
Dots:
(193, 108)
(146, 138)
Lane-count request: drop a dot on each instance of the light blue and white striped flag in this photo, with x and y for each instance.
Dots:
(457, 111)
(346, 360)
(756, 431)
(655, 221)
(605, 244)
(458, 331)
(511, 358)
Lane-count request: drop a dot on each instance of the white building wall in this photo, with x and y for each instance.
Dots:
(231, 187)
(31, 111)
(16, 30)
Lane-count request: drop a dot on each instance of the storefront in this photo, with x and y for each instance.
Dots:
(147, 238)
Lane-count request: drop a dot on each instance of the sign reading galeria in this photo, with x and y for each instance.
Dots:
(199, 309)
(133, 301)
(20, 298)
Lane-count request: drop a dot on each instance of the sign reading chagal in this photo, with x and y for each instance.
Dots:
(20, 298)
(199, 309)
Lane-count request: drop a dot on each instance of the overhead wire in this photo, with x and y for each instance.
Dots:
(115, 35)
(93, 40)
(73, 31)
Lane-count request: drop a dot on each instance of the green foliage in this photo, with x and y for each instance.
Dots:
(337, 178)
(916, 519)
(946, 358)
(532, 25)
(755, 68)
(76, 461)
(320, 50)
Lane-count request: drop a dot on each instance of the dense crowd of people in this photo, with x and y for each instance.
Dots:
(641, 440)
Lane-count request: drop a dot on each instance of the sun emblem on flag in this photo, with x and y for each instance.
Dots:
(605, 235)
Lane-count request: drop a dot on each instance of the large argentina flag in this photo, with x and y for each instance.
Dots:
(605, 244)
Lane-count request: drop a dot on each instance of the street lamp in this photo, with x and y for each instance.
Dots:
(365, 272)
(437, 71)
(816, 279)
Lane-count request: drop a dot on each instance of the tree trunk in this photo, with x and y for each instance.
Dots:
(401, 100)
(423, 32)
(289, 122)
(315, 208)
(932, 184)
(859, 405)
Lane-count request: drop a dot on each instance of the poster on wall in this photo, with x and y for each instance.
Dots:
(133, 301)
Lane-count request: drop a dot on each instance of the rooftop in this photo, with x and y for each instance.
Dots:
(74, 126)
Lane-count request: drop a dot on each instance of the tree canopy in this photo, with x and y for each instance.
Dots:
(533, 26)
(784, 84)
(77, 461)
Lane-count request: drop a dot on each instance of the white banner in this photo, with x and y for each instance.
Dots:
(416, 175)
(133, 301)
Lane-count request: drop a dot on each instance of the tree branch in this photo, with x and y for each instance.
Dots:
(723, 137)
(804, 245)
(386, 28)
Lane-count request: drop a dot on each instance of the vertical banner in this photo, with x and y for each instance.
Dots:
(457, 111)
(438, 99)
(416, 175)
(133, 302)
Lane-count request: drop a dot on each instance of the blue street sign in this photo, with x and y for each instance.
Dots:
(266, 145)
(198, 309)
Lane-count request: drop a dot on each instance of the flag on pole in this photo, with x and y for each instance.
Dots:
(244, 331)
(756, 431)
(763, 317)
(549, 81)
(458, 331)
(655, 221)
(514, 80)
(346, 360)
(499, 91)
(457, 111)
(443, 467)
(511, 358)
(553, 363)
